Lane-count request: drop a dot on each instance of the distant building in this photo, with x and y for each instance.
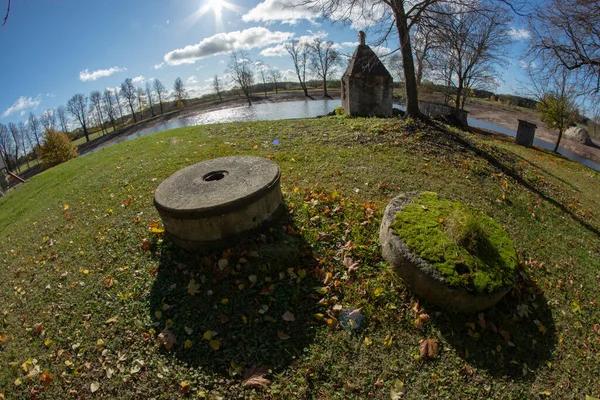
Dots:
(366, 84)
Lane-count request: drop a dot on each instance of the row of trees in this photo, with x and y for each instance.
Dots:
(316, 56)
(112, 107)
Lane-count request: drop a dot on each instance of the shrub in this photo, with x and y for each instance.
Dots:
(339, 110)
(56, 149)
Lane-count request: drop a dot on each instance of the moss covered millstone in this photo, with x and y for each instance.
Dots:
(446, 252)
(468, 248)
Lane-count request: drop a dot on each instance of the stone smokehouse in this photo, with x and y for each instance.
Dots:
(366, 84)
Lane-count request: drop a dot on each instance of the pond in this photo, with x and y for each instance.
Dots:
(304, 109)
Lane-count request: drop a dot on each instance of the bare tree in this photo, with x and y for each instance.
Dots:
(108, 105)
(150, 97)
(324, 58)
(161, 91)
(179, 91)
(566, 35)
(217, 86)
(16, 136)
(141, 98)
(275, 77)
(300, 57)
(6, 146)
(24, 135)
(61, 113)
(34, 126)
(48, 120)
(117, 99)
(128, 92)
(242, 75)
(423, 44)
(472, 42)
(77, 107)
(96, 100)
(263, 71)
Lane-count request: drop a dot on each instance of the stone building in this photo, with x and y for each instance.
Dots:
(366, 84)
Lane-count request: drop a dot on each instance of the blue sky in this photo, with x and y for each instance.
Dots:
(52, 49)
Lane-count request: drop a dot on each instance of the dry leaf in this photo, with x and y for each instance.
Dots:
(193, 287)
(94, 387)
(46, 379)
(282, 336)
(378, 292)
(187, 344)
(145, 244)
(167, 339)
(389, 339)
(214, 344)
(421, 320)
(255, 377)
(398, 390)
(184, 387)
(208, 335)
(288, 316)
(428, 348)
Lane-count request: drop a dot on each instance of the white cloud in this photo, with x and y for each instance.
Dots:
(138, 79)
(51, 95)
(225, 43)
(86, 75)
(276, 51)
(519, 34)
(349, 44)
(159, 66)
(280, 10)
(285, 12)
(525, 65)
(22, 105)
(192, 80)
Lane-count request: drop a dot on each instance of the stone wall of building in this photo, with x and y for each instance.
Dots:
(365, 96)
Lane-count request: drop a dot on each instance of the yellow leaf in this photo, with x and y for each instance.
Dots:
(208, 335)
(169, 324)
(244, 319)
(296, 190)
(157, 230)
(545, 393)
(378, 292)
(187, 344)
(100, 343)
(389, 339)
(27, 365)
(65, 207)
(397, 390)
(318, 316)
(322, 290)
(214, 344)
(94, 387)
(368, 341)
(224, 301)
(17, 382)
(47, 342)
(158, 314)
(302, 273)
(575, 306)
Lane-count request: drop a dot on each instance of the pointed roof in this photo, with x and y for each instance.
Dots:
(365, 62)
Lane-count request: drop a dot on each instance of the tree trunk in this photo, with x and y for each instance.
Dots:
(276, 92)
(85, 132)
(459, 90)
(560, 132)
(304, 89)
(132, 113)
(161, 107)
(408, 65)
(325, 88)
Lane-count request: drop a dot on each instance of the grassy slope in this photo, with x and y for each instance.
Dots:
(85, 274)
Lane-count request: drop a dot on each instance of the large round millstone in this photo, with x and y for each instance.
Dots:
(424, 278)
(214, 200)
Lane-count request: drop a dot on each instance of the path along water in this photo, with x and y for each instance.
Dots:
(305, 109)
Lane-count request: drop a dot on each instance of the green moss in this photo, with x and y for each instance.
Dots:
(468, 248)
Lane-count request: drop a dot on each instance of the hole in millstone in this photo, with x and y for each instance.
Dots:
(215, 176)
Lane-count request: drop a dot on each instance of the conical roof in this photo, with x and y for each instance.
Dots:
(365, 62)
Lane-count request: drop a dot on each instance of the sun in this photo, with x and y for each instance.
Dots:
(217, 7)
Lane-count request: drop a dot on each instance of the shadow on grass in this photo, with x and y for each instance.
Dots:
(240, 302)
(513, 339)
(502, 161)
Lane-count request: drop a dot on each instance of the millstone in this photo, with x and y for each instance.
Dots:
(418, 274)
(214, 200)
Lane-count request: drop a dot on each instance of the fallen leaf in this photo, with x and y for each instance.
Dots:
(46, 379)
(66, 207)
(545, 393)
(389, 339)
(214, 344)
(421, 320)
(368, 341)
(428, 348)
(187, 344)
(255, 377)
(157, 230)
(94, 387)
(109, 281)
(184, 387)
(208, 335)
(288, 316)
(378, 292)
(223, 263)
(193, 287)
(167, 339)
(282, 336)
(398, 390)
(145, 244)
(38, 328)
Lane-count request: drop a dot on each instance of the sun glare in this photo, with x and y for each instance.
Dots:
(216, 7)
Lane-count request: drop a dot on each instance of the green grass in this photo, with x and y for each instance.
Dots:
(467, 248)
(89, 283)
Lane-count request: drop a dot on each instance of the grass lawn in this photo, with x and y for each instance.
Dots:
(96, 303)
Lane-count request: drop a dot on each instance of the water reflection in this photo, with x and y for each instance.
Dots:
(303, 109)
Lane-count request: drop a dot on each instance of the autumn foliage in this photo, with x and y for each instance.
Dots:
(56, 149)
